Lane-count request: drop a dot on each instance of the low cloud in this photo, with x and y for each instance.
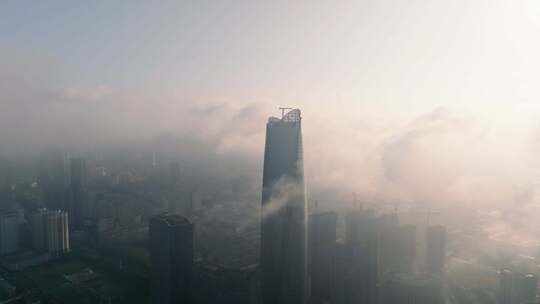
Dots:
(443, 159)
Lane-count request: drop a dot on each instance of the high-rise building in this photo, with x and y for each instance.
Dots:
(362, 239)
(50, 231)
(387, 226)
(9, 231)
(322, 246)
(527, 289)
(78, 192)
(407, 248)
(174, 174)
(53, 179)
(171, 253)
(342, 275)
(284, 213)
(60, 168)
(436, 248)
(506, 290)
(398, 248)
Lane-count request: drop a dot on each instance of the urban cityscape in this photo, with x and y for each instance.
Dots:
(252, 152)
(82, 233)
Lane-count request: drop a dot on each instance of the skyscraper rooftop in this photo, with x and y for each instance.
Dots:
(294, 115)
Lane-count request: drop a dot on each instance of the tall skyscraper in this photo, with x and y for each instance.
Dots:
(436, 248)
(78, 191)
(387, 225)
(342, 275)
(362, 239)
(171, 253)
(53, 179)
(50, 231)
(9, 231)
(284, 213)
(407, 248)
(322, 246)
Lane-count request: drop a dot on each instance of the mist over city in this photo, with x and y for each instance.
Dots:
(307, 152)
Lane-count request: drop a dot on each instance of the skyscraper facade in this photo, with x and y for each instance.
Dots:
(407, 248)
(322, 247)
(50, 231)
(362, 240)
(284, 213)
(53, 179)
(9, 231)
(78, 178)
(436, 248)
(506, 287)
(171, 253)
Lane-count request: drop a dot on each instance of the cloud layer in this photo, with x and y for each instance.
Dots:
(444, 158)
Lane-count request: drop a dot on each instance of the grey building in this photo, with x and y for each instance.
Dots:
(78, 181)
(362, 240)
(322, 247)
(436, 248)
(171, 254)
(9, 231)
(50, 231)
(284, 213)
(507, 289)
(527, 289)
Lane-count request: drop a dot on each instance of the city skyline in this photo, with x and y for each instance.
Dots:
(249, 152)
(393, 89)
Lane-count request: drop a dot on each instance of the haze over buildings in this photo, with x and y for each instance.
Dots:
(112, 114)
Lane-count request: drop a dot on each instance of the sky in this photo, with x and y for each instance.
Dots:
(432, 102)
(362, 54)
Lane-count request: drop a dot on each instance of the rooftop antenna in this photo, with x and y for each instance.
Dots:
(283, 111)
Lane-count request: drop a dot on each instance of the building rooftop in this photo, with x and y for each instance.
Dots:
(294, 115)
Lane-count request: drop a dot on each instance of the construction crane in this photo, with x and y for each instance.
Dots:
(283, 110)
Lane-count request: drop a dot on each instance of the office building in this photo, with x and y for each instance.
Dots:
(9, 231)
(527, 288)
(407, 248)
(387, 226)
(50, 231)
(77, 202)
(436, 248)
(171, 254)
(53, 179)
(322, 246)
(362, 239)
(506, 290)
(284, 213)
(342, 274)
